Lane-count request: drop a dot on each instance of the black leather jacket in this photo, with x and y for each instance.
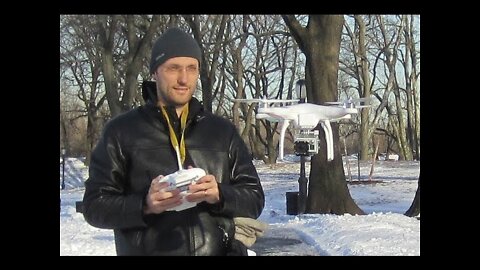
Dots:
(135, 148)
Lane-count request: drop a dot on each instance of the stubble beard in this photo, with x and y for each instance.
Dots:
(169, 101)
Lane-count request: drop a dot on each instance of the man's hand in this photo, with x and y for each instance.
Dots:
(206, 189)
(158, 199)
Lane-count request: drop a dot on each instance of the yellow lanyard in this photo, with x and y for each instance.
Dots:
(173, 136)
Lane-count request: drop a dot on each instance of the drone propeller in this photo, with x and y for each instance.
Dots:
(362, 101)
(334, 102)
(352, 102)
(247, 100)
(264, 100)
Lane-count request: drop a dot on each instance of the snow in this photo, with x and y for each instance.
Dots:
(383, 231)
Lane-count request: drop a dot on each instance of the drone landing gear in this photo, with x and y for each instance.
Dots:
(329, 138)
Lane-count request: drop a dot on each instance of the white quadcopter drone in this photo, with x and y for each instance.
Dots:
(305, 117)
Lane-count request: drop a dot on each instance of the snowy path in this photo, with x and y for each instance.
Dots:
(279, 241)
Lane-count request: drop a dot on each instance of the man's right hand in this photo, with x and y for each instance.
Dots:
(158, 199)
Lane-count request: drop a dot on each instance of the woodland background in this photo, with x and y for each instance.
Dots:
(104, 59)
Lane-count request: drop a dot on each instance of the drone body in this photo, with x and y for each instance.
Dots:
(305, 117)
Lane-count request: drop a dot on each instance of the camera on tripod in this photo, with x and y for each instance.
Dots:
(306, 142)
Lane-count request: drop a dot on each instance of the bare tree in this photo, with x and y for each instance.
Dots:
(393, 43)
(360, 69)
(320, 40)
(214, 31)
(131, 35)
(384, 47)
(259, 64)
(274, 75)
(413, 104)
(391, 57)
(238, 68)
(64, 136)
(410, 62)
(270, 74)
(80, 61)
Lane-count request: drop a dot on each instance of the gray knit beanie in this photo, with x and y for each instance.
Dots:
(173, 43)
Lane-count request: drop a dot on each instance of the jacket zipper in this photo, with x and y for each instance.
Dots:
(191, 232)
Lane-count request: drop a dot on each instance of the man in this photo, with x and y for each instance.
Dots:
(137, 149)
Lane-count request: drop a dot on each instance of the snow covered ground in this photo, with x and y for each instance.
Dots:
(384, 231)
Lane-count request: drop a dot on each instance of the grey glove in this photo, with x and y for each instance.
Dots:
(248, 229)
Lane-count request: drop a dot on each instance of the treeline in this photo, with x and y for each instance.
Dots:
(104, 59)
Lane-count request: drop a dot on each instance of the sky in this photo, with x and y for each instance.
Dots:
(383, 231)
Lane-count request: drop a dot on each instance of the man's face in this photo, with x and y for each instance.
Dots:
(176, 80)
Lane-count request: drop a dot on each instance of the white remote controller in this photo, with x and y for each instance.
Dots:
(182, 179)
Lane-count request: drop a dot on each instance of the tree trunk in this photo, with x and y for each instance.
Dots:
(347, 160)
(65, 142)
(106, 31)
(320, 42)
(137, 50)
(365, 85)
(414, 209)
(328, 190)
(209, 66)
(374, 158)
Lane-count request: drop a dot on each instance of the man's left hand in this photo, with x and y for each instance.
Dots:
(205, 189)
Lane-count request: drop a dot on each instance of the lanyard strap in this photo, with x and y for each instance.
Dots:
(173, 136)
